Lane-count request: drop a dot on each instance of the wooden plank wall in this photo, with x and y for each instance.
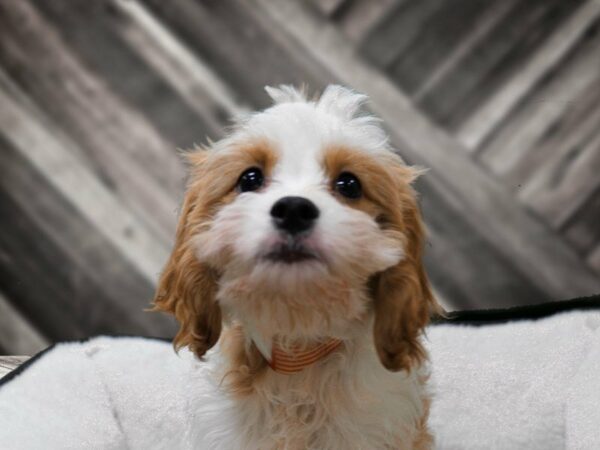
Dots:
(498, 98)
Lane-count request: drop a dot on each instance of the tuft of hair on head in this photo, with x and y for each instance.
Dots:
(286, 93)
(341, 101)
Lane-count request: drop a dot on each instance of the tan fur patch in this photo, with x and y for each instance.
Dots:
(402, 296)
(246, 366)
(187, 288)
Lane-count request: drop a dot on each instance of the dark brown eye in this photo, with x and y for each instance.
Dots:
(251, 180)
(348, 185)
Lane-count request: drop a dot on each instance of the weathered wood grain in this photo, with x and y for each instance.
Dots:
(566, 183)
(115, 141)
(486, 118)
(196, 82)
(329, 7)
(502, 52)
(582, 229)
(144, 64)
(245, 55)
(521, 146)
(57, 159)
(360, 16)
(68, 279)
(437, 37)
(17, 335)
(397, 30)
(523, 240)
(486, 22)
(594, 258)
(10, 363)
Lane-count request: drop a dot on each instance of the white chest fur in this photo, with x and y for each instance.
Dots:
(348, 401)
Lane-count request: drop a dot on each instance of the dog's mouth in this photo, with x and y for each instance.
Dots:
(291, 253)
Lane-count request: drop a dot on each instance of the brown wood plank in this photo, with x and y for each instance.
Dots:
(67, 279)
(17, 335)
(460, 182)
(489, 65)
(10, 363)
(555, 117)
(496, 109)
(119, 143)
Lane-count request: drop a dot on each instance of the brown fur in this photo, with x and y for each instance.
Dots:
(187, 288)
(246, 365)
(402, 296)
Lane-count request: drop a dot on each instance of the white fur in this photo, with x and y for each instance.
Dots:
(352, 403)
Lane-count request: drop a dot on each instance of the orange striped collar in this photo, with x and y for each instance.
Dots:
(295, 360)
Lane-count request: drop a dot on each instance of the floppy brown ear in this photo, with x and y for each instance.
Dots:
(187, 288)
(402, 296)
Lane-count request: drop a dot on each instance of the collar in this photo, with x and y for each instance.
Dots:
(297, 359)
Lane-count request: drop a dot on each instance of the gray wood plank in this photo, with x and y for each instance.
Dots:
(487, 21)
(329, 7)
(17, 335)
(361, 16)
(439, 35)
(566, 182)
(55, 157)
(243, 53)
(107, 39)
(490, 64)
(10, 363)
(115, 141)
(397, 31)
(464, 266)
(551, 120)
(583, 228)
(522, 239)
(486, 118)
(594, 258)
(67, 279)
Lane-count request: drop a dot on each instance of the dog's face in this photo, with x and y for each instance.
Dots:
(301, 224)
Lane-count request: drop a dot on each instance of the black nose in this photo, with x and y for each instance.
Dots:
(294, 214)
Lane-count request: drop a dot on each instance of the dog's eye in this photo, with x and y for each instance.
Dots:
(251, 180)
(348, 185)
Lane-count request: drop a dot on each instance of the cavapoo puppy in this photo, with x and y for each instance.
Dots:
(298, 254)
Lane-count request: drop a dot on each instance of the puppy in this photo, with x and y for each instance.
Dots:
(299, 251)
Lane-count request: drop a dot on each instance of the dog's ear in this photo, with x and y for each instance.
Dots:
(402, 296)
(187, 288)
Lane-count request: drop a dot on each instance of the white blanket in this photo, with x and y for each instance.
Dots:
(521, 385)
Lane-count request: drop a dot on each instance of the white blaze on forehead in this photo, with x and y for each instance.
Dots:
(300, 130)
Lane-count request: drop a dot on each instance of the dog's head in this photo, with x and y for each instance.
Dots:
(301, 224)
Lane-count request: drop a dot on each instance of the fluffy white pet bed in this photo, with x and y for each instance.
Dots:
(525, 384)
